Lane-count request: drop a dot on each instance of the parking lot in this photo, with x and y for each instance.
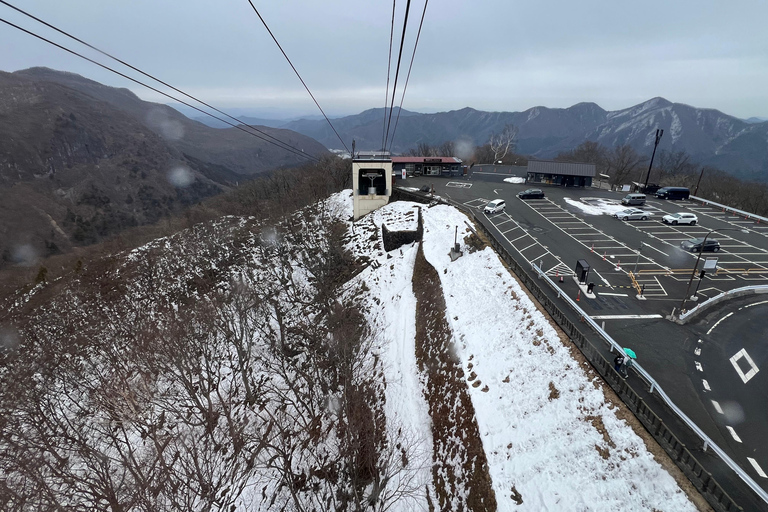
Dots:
(568, 225)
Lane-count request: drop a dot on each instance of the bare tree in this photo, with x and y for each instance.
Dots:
(624, 163)
(503, 142)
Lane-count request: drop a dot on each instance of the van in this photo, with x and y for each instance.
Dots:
(495, 206)
(634, 200)
(673, 193)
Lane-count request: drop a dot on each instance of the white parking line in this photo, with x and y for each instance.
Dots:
(733, 433)
(757, 467)
(706, 385)
(717, 407)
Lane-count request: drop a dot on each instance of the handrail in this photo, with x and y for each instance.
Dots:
(757, 288)
(744, 214)
(655, 386)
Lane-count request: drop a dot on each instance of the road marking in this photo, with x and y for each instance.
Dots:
(623, 317)
(756, 303)
(614, 294)
(698, 366)
(717, 407)
(733, 433)
(706, 385)
(718, 323)
(753, 369)
(697, 351)
(757, 467)
(655, 249)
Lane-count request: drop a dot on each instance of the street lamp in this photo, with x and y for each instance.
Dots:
(696, 266)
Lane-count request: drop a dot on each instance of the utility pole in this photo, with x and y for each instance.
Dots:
(659, 133)
(698, 182)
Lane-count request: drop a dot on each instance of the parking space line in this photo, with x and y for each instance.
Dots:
(757, 467)
(518, 238)
(534, 243)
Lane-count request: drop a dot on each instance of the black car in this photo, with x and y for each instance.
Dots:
(694, 245)
(531, 193)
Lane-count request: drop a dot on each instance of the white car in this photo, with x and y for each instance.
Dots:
(632, 214)
(680, 218)
(495, 206)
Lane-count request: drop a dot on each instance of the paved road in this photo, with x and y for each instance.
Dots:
(556, 234)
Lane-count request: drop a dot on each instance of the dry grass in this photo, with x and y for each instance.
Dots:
(464, 486)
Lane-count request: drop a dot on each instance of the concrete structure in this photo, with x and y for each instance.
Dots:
(371, 182)
(426, 166)
(565, 174)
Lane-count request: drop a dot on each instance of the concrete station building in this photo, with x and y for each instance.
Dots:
(426, 166)
(565, 174)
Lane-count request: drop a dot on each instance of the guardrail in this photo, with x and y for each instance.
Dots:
(738, 292)
(725, 208)
(683, 458)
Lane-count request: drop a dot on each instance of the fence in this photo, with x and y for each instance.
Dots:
(740, 213)
(696, 473)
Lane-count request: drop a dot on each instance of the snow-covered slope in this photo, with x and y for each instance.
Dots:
(240, 366)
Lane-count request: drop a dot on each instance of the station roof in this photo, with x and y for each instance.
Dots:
(561, 168)
(425, 160)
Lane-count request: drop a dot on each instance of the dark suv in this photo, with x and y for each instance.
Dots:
(531, 193)
(694, 245)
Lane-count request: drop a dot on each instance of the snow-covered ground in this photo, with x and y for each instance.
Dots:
(552, 439)
(514, 179)
(597, 206)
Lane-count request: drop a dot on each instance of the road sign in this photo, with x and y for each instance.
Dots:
(710, 264)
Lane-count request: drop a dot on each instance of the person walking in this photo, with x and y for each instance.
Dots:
(617, 362)
(627, 365)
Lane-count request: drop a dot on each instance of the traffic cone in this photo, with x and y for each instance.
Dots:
(578, 295)
(618, 265)
(604, 256)
(593, 248)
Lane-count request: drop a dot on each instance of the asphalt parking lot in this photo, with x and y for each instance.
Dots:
(556, 231)
(694, 363)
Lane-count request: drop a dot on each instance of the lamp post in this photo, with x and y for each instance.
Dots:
(696, 266)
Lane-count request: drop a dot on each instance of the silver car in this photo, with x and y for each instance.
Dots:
(632, 214)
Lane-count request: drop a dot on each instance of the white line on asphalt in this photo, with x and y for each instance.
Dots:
(706, 385)
(624, 317)
(603, 279)
(655, 249)
(718, 322)
(733, 433)
(753, 369)
(614, 294)
(757, 467)
(698, 366)
(756, 303)
(518, 238)
(534, 243)
(697, 351)
(717, 407)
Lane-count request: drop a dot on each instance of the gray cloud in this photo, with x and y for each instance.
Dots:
(493, 55)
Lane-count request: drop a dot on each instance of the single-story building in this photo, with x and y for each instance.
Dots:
(426, 166)
(565, 174)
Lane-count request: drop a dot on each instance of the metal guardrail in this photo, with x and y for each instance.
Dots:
(725, 208)
(744, 290)
(696, 473)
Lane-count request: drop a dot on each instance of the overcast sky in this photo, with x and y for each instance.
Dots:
(495, 55)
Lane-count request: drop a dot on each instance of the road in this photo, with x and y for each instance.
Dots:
(693, 363)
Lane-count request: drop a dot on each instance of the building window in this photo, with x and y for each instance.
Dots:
(372, 182)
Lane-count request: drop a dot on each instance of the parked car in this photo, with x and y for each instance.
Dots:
(495, 206)
(632, 214)
(633, 200)
(695, 245)
(673, 193)
(531, 193)
(680, 218)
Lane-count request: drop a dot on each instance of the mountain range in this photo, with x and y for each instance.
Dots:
(80, 160)
(709, 136)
